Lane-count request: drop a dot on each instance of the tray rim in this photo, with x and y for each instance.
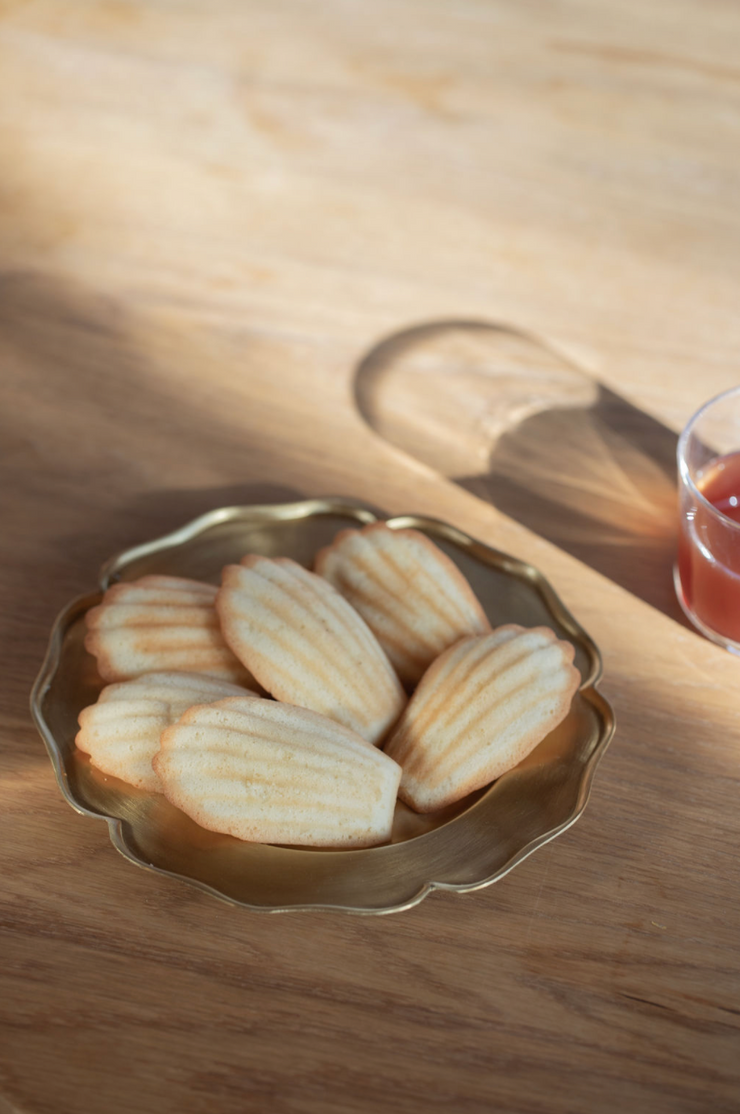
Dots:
(365, 514)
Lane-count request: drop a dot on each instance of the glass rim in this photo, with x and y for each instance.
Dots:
(683, 468)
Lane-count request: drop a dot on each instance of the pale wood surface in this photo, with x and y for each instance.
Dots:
(208, 214)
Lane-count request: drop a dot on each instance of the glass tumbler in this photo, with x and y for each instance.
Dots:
(707, 573)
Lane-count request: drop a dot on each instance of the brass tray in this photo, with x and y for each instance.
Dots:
(465, 847)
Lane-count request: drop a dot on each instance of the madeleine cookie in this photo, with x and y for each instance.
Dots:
(274, 773)
(121, 732)
(307, 646)
(479, 710)
(159, 623)
(412, 596)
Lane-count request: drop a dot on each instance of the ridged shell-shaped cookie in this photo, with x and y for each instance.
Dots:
(480, 709)
(159, 623)
(273, 773)
(121, 732)
(307, 646)
(412, 596)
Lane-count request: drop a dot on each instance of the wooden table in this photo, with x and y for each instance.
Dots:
(209, 213)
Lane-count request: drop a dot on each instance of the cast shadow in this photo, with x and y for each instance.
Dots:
(521, 427)
(102, 444)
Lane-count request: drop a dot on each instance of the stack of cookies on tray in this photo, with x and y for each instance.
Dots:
(294, 707)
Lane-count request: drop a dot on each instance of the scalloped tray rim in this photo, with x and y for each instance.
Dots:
(118, 828)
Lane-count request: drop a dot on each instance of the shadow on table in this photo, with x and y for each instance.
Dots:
(102, 444)
(80, 382)
(519, 426)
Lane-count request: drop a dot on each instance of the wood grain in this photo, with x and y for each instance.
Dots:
(208, 216)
